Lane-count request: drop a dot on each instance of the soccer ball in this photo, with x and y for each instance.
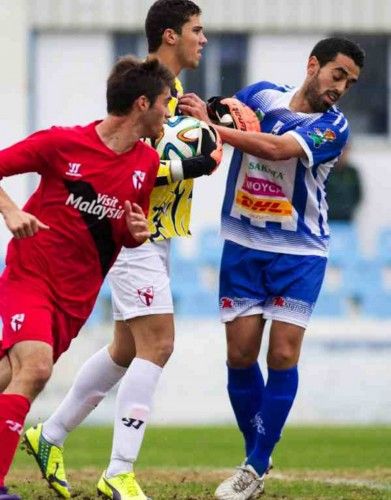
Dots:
(181, 138)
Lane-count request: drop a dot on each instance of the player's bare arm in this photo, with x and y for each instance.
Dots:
(136, 222)
(20, 223)
(267, 146)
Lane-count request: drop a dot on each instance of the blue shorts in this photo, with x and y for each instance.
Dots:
(279, 286)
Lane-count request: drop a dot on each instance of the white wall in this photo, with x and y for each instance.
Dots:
(13, 91)
(279, 58)
(70, 77)
(68, 86)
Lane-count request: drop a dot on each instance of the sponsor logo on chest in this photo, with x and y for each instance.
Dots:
(102, 206)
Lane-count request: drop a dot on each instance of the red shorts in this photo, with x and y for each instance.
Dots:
(28, 312)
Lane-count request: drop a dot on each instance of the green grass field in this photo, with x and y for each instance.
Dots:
(188, 463)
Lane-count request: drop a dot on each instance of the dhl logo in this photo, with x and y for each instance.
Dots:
(258, 205)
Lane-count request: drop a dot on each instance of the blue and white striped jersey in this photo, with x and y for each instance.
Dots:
(280, 206)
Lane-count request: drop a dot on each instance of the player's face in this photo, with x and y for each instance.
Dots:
(191, 41)
(157, 115)
(327, 84)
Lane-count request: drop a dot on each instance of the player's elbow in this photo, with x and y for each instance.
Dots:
(279, 152)
(275, 152)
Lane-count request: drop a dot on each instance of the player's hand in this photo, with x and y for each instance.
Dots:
(136, 222)
(192, 105)
(211, 147)
(211, 152)
(231, 112)
(22, 224)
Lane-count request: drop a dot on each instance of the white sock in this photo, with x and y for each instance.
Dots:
(133, 407)
(93, 381)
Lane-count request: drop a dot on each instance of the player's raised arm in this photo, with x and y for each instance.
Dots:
(20, 223)
(239, 126)
(267, 146)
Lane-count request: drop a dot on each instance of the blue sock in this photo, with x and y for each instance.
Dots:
(278, 397)
(245, 390)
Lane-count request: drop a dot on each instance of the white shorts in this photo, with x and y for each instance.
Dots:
(139, 281)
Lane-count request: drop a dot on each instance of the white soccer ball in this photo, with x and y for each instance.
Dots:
(181, 138)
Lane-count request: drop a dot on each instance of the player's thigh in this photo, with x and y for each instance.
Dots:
(285, 343)
(139, 282)
(244, 337)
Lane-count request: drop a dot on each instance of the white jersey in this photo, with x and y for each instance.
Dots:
(280, 206)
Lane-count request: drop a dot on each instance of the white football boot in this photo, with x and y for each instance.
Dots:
(245, 484)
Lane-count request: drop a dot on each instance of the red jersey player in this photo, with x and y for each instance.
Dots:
(92, 199)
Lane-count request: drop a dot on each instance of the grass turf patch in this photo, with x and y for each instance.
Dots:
(188, 463)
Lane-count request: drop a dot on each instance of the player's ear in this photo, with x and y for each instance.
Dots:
(312, 66)
(143, 103)
(170, 36)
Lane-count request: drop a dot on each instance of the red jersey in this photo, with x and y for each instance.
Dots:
(81, 196)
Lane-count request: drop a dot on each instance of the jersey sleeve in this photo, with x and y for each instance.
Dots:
(246, 94)
(25, 156)
(324, 139)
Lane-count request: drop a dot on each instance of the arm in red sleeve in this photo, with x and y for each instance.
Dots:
(27, 155)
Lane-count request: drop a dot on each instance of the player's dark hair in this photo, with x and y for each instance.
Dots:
(165, 14)
(131, 78)
(326, 50)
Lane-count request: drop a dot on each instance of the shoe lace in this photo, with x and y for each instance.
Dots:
(57, 457)
(243, 479)
(129, 484)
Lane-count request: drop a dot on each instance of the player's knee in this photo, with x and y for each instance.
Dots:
(282, 358)
(33, 377)
(163, 351)
(241, 358)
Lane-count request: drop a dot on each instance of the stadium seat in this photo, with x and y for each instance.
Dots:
(184, 279)
(209, 247)
(198, 303)
(102, 312)
(331, 304)
(376, 304)
(344, 243)
(383, 246)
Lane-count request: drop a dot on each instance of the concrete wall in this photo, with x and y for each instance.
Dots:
(226, 15)
(14, 90)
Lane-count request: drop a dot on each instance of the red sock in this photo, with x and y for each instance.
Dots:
(13, 411)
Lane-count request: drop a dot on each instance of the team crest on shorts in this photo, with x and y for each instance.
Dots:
(17, 321)
(146, 295)
(227, 303)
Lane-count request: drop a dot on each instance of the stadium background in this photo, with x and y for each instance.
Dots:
(55, 58)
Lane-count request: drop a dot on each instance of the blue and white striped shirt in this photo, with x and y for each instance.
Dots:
(280, 206)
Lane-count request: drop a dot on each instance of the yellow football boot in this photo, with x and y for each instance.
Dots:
(120, 487)
(50, 459)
